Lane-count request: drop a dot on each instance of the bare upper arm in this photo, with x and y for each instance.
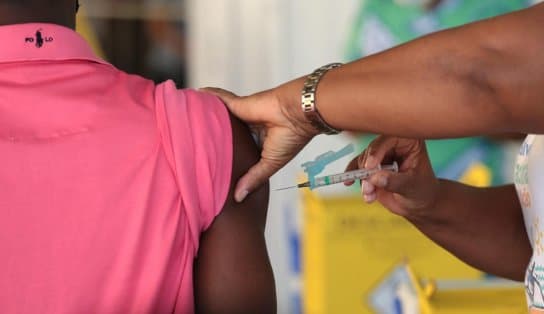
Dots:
(513, 65)
(233, 272)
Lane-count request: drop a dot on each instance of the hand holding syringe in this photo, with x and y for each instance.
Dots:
(359, 174)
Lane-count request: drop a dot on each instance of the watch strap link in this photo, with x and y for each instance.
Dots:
(309, 100)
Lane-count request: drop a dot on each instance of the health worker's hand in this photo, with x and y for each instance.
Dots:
(412, 191)
(280, 127)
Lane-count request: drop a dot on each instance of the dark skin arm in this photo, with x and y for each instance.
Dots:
(479, 79)
(233, 272)
(484, 227)
(482, 78)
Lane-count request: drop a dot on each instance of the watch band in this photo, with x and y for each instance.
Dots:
(309, 100)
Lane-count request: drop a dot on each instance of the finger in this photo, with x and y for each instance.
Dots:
(378, 150)
(367, 187)
(355, 164)
(352, 165)
(370, 198)
(255, 177)
(362, 159)
(368, 191)
(391, 181)
(239, 106)
(225, 95)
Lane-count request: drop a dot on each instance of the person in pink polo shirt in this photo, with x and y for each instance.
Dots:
(116, 194)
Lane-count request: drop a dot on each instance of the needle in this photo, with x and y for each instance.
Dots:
(301, 185)
(287, 188)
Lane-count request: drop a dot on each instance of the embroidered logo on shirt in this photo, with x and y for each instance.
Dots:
(39, 39)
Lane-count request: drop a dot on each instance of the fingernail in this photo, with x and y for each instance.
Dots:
(241, 196)
(348, 183)
(369, 198)
(367, 187)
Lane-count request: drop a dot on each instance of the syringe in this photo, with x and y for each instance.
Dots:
(345, 176)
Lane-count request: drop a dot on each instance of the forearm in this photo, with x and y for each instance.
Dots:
(482, 226)
(479, 79)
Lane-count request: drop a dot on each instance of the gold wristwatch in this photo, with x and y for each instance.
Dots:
(308, 100)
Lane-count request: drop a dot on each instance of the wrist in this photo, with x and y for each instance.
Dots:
(308, 117)
(430, 212)
(288, 98)
(309, 100)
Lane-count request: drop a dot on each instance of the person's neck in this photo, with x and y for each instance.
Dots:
(18, 14)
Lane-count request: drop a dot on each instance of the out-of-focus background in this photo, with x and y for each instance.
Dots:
(330, 252)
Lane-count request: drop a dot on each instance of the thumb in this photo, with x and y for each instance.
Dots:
(378, 150)
(255, 177)
(236, 104)
(393, 182)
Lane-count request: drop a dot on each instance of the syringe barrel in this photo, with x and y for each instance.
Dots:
(352, 175)
(343, 177)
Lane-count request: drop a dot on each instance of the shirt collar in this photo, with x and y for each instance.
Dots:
(43, 42)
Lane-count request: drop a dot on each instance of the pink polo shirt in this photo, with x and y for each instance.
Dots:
(106, 180)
